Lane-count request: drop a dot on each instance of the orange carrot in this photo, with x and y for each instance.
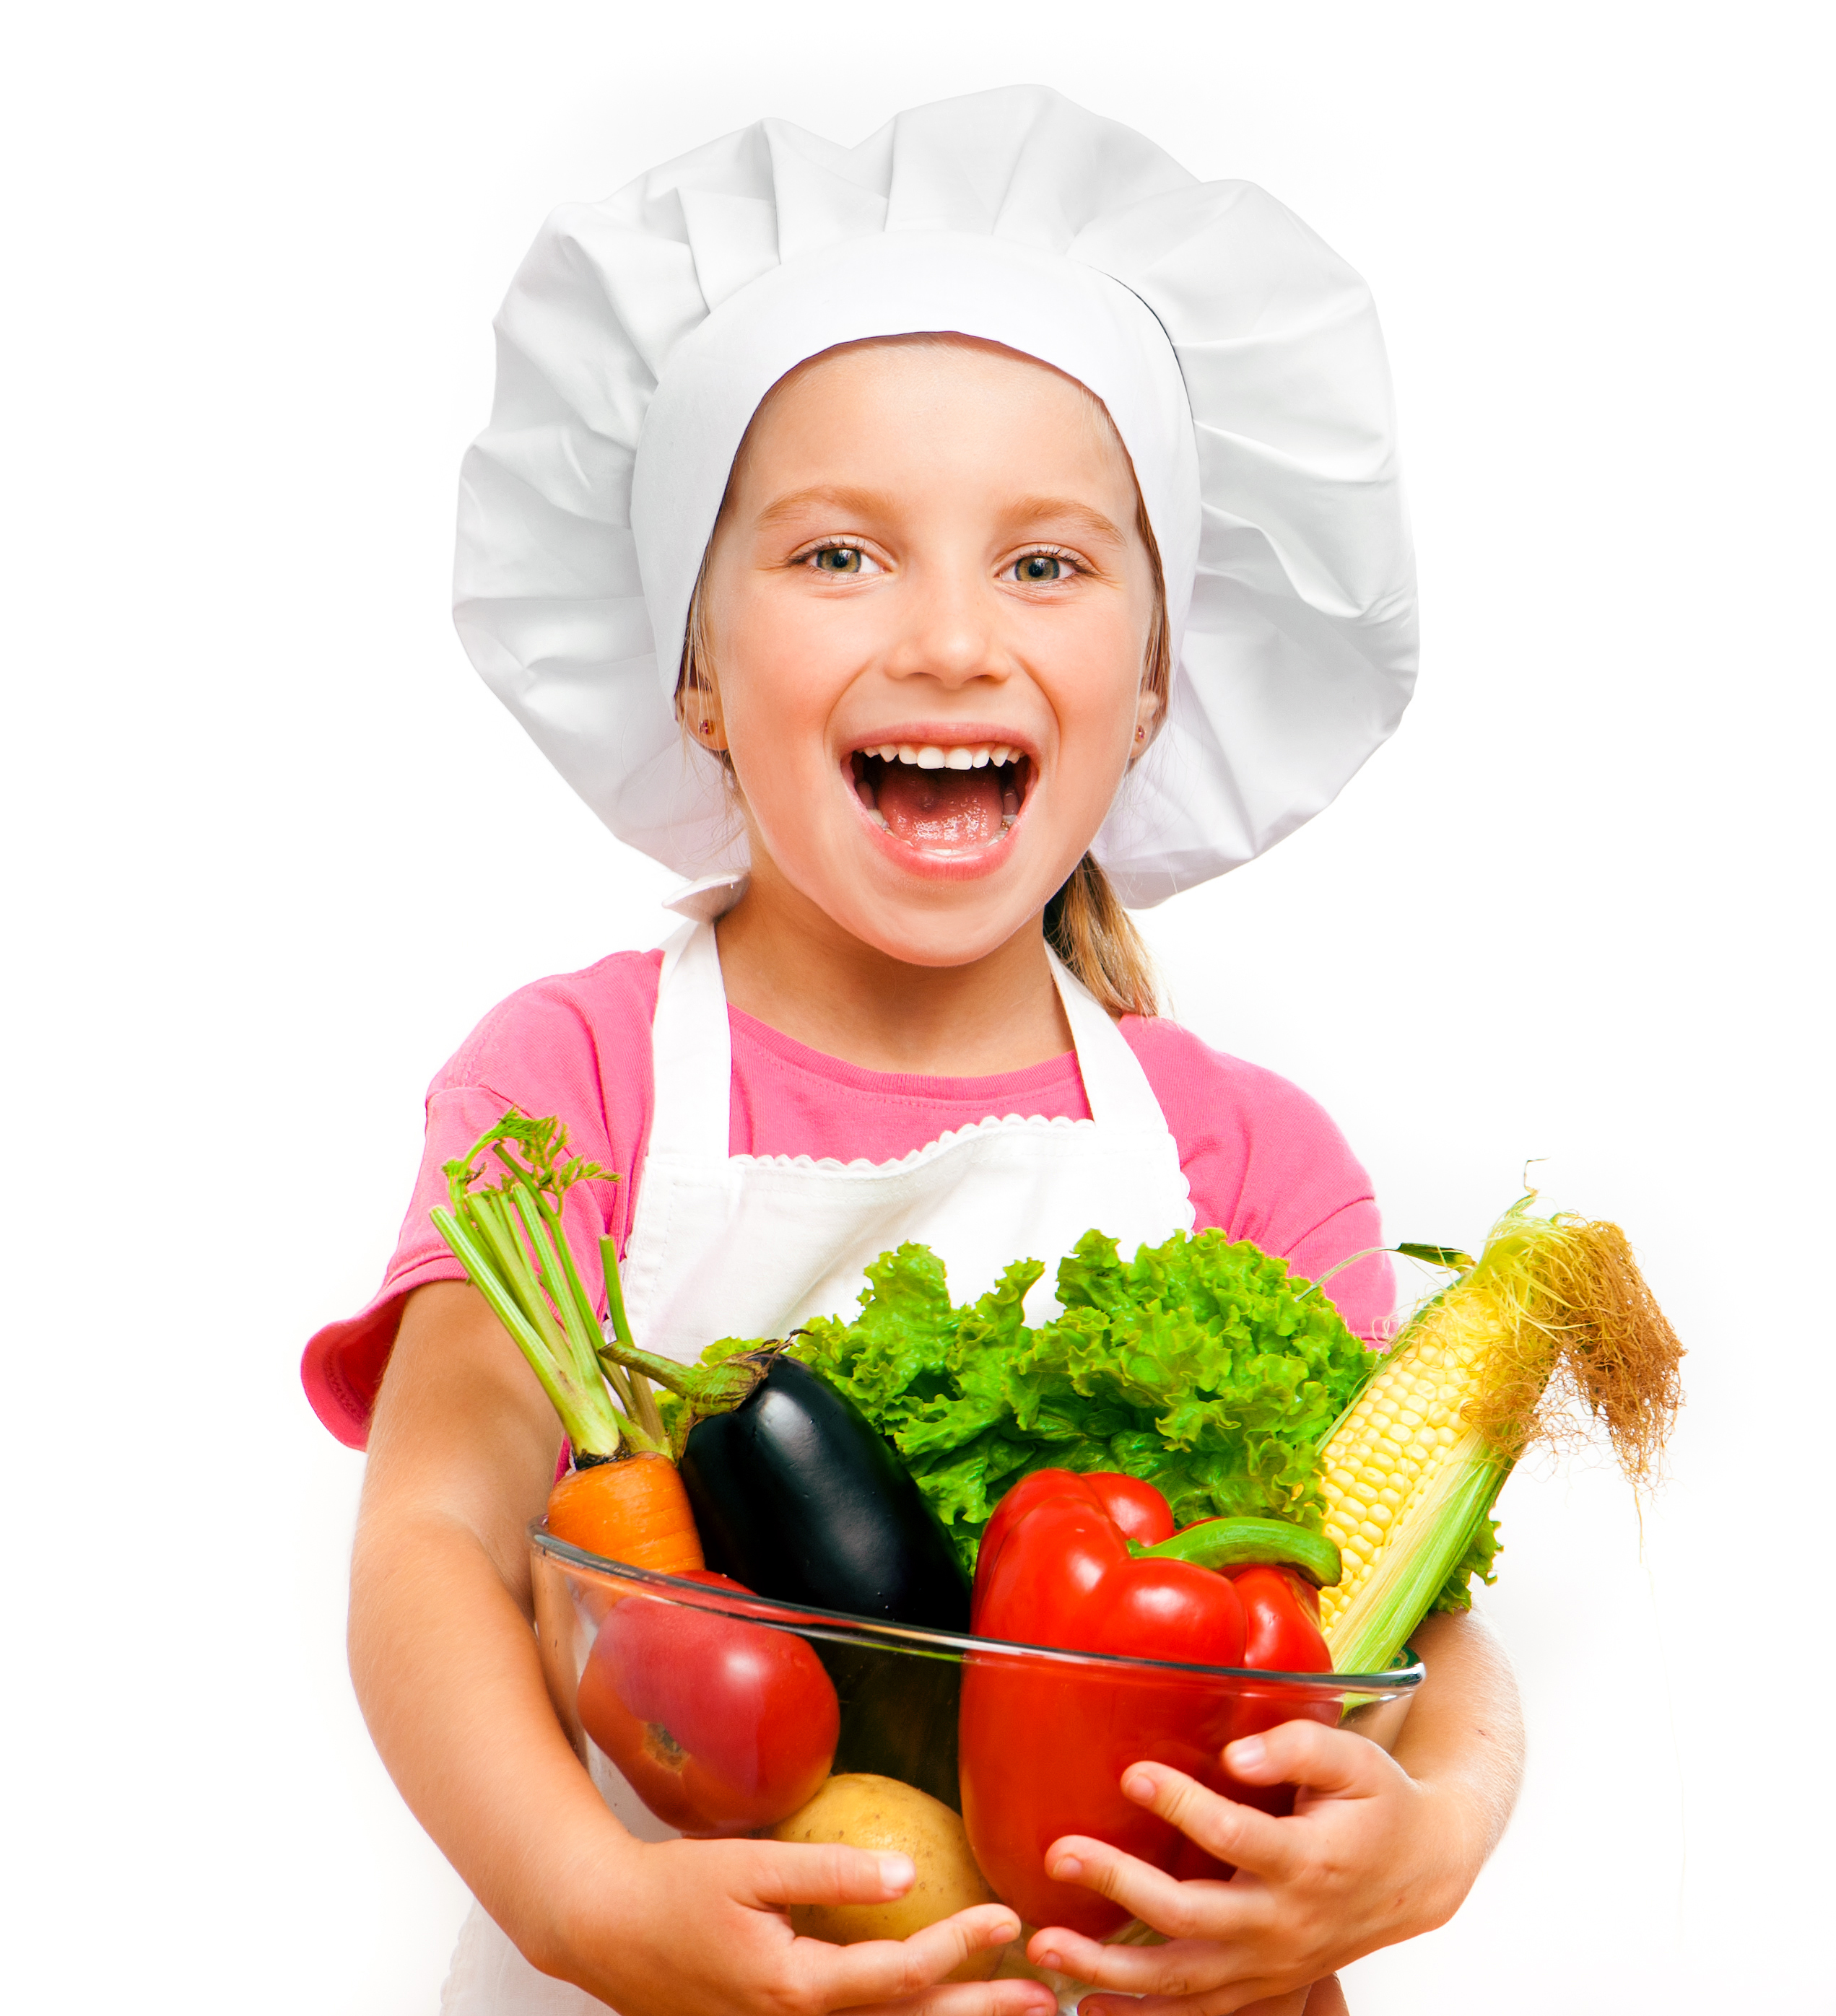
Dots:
(622, 1499)
(632, 1510)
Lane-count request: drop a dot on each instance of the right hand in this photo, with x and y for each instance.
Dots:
(697, 1928)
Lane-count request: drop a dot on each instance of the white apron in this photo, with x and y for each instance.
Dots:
(753, 1245)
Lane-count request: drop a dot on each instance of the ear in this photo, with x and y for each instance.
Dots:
(1147, 721)
(702, 717)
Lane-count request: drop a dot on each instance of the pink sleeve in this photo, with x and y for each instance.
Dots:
(577, 1046)
(1265, 1163)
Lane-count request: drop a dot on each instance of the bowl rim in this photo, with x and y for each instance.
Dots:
(811, 1621)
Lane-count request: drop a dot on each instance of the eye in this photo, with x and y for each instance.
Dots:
(838, 559)
(1033, 569)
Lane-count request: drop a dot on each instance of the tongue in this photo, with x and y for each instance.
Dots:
(941, 811)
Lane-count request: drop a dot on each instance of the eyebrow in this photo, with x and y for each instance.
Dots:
(1083, 515)
(854, 503)
(872, 504)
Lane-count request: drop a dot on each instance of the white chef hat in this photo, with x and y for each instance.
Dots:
(1238, 357)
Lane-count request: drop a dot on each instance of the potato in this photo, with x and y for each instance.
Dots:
(860, 1810)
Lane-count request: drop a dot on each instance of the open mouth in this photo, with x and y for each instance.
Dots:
(942, 798)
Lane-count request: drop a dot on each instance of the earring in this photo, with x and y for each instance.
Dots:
(1141, 734)
(707, 728)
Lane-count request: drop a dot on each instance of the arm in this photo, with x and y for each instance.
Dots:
(447, 1669)
(1379, 1849)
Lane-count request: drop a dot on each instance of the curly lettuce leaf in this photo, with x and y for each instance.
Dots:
(1482, 1551)
(1201, 1366)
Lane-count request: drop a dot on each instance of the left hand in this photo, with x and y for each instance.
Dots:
(1370, 1856)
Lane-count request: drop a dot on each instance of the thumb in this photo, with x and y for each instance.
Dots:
(792, 1872)
(1330, 1762)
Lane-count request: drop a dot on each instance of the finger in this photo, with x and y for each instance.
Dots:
(879, 1972)
(1240, 1835)
(1203, 1909)
(1333, 1762)
(780, 1872)
(970, 1998)
(1248, 1998)
(1180, 1967)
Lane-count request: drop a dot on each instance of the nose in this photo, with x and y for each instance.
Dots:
(949, 630)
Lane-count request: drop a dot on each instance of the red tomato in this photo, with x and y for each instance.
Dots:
(722, 1726)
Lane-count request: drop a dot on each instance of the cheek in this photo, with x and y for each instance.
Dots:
(775, 688)
(1097, 689)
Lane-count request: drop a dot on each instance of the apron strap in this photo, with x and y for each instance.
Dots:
(692, 1051)
(1115, 1086)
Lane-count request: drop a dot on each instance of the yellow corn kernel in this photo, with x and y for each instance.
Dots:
(1395, 1449)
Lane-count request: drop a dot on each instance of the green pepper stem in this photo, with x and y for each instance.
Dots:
(1246, 1542)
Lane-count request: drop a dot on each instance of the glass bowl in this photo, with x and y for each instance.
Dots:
(704, 1710)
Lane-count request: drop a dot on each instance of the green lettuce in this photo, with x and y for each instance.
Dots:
(1200, 1366)
(1482, 1551)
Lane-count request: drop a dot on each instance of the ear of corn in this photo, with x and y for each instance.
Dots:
(1413, 1467)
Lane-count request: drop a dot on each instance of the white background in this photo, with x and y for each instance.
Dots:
(272, 850)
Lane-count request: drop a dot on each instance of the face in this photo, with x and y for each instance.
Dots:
(928, 608)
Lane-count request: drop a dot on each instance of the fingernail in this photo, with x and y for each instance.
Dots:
(1250, 1755)
(1067, 1869)
(897, 1871)
(1138, 1786)
(1050, 1960)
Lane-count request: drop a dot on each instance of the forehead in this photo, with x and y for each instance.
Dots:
(949, 403)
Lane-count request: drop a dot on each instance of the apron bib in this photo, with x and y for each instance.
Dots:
(755, 1245)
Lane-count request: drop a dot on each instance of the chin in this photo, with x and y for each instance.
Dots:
(933, 934)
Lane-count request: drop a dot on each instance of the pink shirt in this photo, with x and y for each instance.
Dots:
(1263, 1162)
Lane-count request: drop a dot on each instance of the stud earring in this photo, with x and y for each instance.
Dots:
(1141, 734)
(707, 728)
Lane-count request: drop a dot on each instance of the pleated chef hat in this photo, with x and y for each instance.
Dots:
(1239, 357)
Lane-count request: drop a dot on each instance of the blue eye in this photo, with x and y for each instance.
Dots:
(837, 559)
(1039, 567)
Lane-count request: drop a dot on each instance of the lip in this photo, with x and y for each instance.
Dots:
(970, 864)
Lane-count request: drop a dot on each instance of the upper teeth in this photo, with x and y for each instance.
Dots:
(933, 756)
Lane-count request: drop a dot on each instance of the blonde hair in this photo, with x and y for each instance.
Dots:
(1085, 923)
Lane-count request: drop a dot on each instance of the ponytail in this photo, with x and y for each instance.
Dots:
(1087, 927)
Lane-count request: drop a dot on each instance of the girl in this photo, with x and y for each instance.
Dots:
(837, 533)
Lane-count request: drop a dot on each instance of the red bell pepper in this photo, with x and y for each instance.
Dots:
(1091, 1564)
(1282, 1634)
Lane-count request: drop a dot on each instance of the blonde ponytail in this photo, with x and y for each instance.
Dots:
(1087, 927)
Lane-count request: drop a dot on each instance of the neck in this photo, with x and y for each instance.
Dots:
(790, 964)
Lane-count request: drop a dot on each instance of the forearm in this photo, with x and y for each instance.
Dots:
(447, 1672)
(1463, 1741)
(443, 1655)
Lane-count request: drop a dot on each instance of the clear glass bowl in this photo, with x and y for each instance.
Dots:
(1045, 1735)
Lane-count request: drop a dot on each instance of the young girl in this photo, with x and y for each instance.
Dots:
(929, 545)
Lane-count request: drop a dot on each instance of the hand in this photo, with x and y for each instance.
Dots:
(1370, 1856)
(696, 1928)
